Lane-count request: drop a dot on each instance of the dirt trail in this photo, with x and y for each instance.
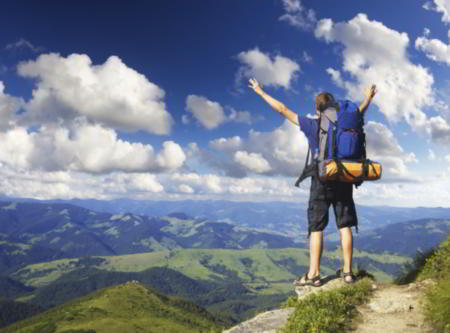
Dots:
(391, 309)
(394, 309)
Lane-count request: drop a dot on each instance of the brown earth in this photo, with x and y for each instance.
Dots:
(392, 309)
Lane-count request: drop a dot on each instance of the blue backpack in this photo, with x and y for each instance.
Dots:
(341, 137)
(341, 133)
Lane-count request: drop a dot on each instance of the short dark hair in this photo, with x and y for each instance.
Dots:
(323, 100)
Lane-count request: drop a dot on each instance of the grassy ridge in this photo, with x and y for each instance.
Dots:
(256, 267)
(130, 307)
(437, 299)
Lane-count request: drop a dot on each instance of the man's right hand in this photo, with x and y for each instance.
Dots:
(256, 86)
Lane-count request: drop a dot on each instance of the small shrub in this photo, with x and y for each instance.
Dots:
(437, 298)
(327, 311)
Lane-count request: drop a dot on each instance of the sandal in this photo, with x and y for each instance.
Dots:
(306, 281)
(344, 275)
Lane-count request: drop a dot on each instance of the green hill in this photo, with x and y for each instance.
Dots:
(257, 267)
(130, 307)
(235, 283)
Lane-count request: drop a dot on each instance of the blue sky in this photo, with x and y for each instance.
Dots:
(149, 100)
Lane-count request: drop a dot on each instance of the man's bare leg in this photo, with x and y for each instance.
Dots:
(347, 249)
(315, 253)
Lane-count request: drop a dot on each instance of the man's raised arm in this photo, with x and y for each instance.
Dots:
(277, 105)
(369, 93)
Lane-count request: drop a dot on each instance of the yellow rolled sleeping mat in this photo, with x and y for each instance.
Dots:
(349, 171)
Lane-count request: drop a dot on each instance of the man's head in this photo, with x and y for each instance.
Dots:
(323, 101)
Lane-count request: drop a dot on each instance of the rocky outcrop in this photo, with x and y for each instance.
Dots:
(266, 322)
(271, 321)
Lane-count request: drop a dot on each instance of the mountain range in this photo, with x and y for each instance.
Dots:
(231, 258)
(33, 232)
(288, 218)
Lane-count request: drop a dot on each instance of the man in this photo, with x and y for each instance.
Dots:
(323, 194)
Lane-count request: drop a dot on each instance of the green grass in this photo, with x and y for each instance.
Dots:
(251, 266)
(437, 298)
(327, 311)
(130, 307)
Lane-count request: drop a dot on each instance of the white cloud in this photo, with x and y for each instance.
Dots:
(336, 77)
(447, 157)
(183, 188)
(223, 144)
(434, 49)
(383, 147)
(373, 53)
(297, 15)
(275, 71)
(210, 114)
(440, 6)
(284, 149)
(426, 32)
(240, 188)
(17, 148)
(431, 155)
(111, 94)
(254, 162)
(240, 116)
(138, 182)
(9, 105)
(84, 147)
(439, 130)
(69, 184)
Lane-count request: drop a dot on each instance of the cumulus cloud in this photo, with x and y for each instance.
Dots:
(229, 144)
(279, 152)
(277, 71)
(240, 116)
(382, 146)
(211, 114)
(208, 113)
(434, 49)
(439, 130)
(297, 15)
(254, 162)
(374, 53)
(183, 188)
(9, 105)
(84, 147)
(111, 94)
(440, 6)
(68, 184)
(247, 187)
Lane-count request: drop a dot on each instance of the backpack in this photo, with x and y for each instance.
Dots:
(341, 133)
(341, 140)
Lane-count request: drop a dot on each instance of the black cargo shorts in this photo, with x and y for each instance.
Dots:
(324, 194)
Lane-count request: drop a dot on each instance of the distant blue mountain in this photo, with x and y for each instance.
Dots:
(33, 232)
(406, 239)
(287, 217)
